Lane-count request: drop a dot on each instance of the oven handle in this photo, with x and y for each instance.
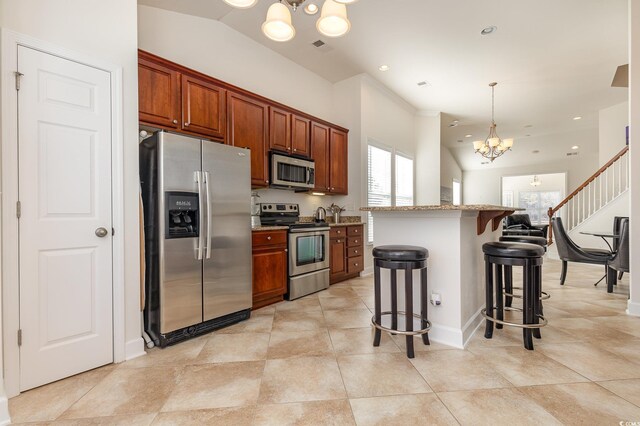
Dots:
(315, 231)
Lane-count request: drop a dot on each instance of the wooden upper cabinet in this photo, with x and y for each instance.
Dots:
(158, 94)
(339, 151)
(279, 129)
(203, 107)
(300, 136)
(248, 128)
(320, 154)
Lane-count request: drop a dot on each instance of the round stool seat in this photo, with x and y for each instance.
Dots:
(504, 249)
(400, 253)
(541, 241)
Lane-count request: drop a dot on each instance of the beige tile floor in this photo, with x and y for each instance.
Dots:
(311, 362)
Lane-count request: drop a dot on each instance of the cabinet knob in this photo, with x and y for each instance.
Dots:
(356, 231)
(339, 241)
(355, 251)
(339, 232)
(175, 121)
(266, 181)
(269, 237)
(286, 250)
(356, 241)
(186, 124)
(294, 150)
(356, 264)
(288, 148)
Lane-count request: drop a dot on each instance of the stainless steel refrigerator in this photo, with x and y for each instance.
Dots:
(197, 220)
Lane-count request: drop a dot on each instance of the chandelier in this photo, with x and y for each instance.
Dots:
(492, 147)
(535, 181)
(333, 21)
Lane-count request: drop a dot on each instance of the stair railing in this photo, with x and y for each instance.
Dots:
(600, 189)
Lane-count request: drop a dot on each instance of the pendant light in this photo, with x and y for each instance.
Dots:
(492, 147)
(241, 4)
(278, 24)
(333, 20)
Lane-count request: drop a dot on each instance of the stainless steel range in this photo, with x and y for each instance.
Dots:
(308, 248)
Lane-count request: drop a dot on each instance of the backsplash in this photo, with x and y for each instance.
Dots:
(308, 203)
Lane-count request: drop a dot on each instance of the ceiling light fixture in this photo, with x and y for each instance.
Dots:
(467, 136)
(575, 147)
(577, 118)
(333, 21)
(384, 68)
(488, 30)
(492, 147)
(241, 4)
(535, 181)
(311, 9)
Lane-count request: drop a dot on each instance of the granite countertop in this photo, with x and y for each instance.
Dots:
(270, 228)
(467, 207)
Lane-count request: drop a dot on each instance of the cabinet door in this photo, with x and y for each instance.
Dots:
(248, 129)
(338, 162)
(203, 107)
(337, 260)
(300, 136)
(320, 154)
(158, 94)
(279, 130)
(269, 274)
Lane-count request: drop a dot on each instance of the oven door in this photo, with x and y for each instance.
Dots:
(308, 251)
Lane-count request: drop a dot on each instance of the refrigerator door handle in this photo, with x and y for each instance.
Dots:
(207, 178)
(198, 178)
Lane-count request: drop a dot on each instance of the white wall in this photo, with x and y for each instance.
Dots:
(428, 158)
(611, 130)
(449, 168)
(106, 31)
(483, 186)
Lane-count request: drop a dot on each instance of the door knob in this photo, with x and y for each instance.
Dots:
(102, 232)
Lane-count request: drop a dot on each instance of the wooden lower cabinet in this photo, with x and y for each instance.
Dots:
(346, 252)
(270, 260)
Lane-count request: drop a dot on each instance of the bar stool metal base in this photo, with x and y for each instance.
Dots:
(398, 331)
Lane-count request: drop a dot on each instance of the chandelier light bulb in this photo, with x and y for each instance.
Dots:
(477, 145)
(241, 4)
(508, 143)
(278, 25)
(493, 142)
(333, 21)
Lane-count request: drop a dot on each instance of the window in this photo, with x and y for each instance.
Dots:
(507, 198)
(389, 180)
(537, 203)
(457, 193)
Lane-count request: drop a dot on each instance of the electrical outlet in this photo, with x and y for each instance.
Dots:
(436, 299)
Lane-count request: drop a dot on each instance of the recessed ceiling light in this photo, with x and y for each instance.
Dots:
(535, 151)
(311, 9)
(424, 83)
(527, 135)
(485, 162)
(577, 118)
(575, 147)
(460, 141)
(384, 68)
(467, 136)
(489, 30)
(528, 126)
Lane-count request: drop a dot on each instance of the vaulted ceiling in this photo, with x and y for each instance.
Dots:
(553, 60)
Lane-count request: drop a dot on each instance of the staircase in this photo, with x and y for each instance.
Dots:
(602, 188)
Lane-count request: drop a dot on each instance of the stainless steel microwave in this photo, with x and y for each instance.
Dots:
(291, 172)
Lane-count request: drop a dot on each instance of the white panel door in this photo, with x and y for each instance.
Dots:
(64, 146)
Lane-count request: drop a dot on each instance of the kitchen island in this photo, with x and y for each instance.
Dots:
(454, 236)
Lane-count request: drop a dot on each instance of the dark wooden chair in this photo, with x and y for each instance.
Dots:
(616, 231)
(568, 251)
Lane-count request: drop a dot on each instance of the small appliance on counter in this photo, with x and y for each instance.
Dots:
(321, 215)
(308, 245)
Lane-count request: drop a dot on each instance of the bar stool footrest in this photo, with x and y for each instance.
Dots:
(544, 296)
(400, 331)
(514, 324)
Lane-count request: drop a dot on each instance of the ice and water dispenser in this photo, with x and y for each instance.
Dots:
(182, 215)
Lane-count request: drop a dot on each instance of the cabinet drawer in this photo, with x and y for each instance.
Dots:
(354, 241)
(269, 238)
(354, 231)
(354, 251)
(338, 231)
(355, 264)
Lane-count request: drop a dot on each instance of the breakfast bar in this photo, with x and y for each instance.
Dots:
(453, 235)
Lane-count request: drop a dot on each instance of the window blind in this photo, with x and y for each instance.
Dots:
(378, 181)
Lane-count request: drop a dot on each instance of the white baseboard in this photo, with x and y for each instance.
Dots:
(367, 271)
(633, 308)
(134, 349)
(469, 329)
(5, 418)
(446, 335)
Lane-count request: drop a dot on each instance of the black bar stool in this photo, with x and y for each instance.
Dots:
(529, 256)
(508, 275)
(408, 259)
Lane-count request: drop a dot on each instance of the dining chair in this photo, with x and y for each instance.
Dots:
(569, 251)
(620, 260)
(616, 231)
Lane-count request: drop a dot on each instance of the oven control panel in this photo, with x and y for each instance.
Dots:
(278, 208)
